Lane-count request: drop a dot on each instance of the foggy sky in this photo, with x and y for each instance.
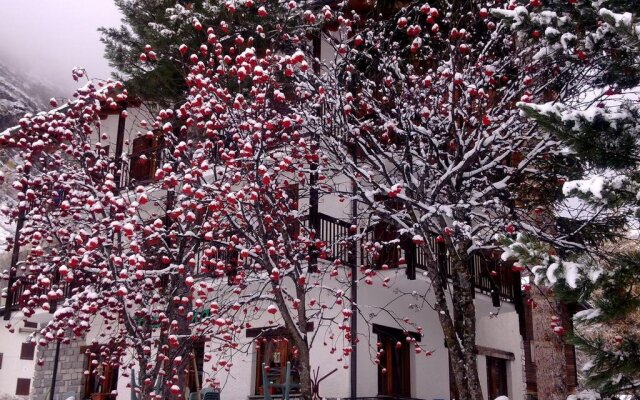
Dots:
(49, 38)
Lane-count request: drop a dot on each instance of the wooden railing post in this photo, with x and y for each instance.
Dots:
(410, 250)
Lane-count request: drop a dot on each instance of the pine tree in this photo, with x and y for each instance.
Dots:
(154, 73)
(596, 47)
(151, 51)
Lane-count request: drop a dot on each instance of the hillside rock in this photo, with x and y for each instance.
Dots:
(20, 94)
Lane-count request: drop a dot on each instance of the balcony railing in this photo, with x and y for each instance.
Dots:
(26, 287)
(490, 276)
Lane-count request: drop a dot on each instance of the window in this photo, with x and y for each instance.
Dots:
(1, 355)
(394, 367)
(103, 374)
(23, 387)
(145, 157)
(389, 252)
(30, 325)
(496, 377)
(275, 352)
(197, 361)
(27, 352)
(388, 245)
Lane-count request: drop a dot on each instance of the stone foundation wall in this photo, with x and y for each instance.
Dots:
(549, 352)
(70, 376)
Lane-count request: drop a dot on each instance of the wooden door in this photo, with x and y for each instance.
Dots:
(274, 353)
(496, 377)
(394, 369)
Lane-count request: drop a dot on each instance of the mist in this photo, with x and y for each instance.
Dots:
(48, 38)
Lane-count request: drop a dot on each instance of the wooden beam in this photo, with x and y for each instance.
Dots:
(488, 351)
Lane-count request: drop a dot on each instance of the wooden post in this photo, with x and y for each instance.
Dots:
(195, 372)
(119, 148)
(410, 255)
(314, 197)
(56, 359)
(353, 261)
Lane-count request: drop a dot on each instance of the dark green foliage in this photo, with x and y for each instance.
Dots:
(612, 338)
(162, 81)
(608, 140)
(595, 50)
(165, 25)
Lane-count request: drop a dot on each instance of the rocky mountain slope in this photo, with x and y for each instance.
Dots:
(20, 94)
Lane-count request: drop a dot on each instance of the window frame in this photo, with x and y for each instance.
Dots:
(26, 353)
(89, 381)
(497, 385)
(20, 391)
(198, 351)
(288, 348)
(396, 380)
(141, 170)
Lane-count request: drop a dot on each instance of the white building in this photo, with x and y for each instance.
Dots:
(402, 372)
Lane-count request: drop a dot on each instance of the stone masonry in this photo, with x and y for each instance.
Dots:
(70, 377)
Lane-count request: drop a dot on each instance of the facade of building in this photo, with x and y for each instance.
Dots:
(505, 335)
(408, 374)
(402, 372)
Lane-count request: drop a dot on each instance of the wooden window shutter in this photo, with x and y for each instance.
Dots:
(140, 159)
(196, 367)
(258, 390)
(23, 387)
(103, 376)
(572, 373)
(529, 362)
(394, 367)
(27, 352)
(496, 377)
(145, 155)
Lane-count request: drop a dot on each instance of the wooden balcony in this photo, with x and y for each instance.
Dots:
(28, 282)
(490, 275)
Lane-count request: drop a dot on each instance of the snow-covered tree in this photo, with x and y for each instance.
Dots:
(151, 50)
(144, 50)
(594, 48)
(219, 239)
(419, 113)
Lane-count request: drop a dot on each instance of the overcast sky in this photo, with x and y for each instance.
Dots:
(50, 37)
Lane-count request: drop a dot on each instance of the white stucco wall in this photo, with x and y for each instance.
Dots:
(12, 366)
(10, 347)
(429, 375)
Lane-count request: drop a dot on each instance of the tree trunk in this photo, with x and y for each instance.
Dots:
(305, 372)
(298, 333)
(467, 330)
(459, 329)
